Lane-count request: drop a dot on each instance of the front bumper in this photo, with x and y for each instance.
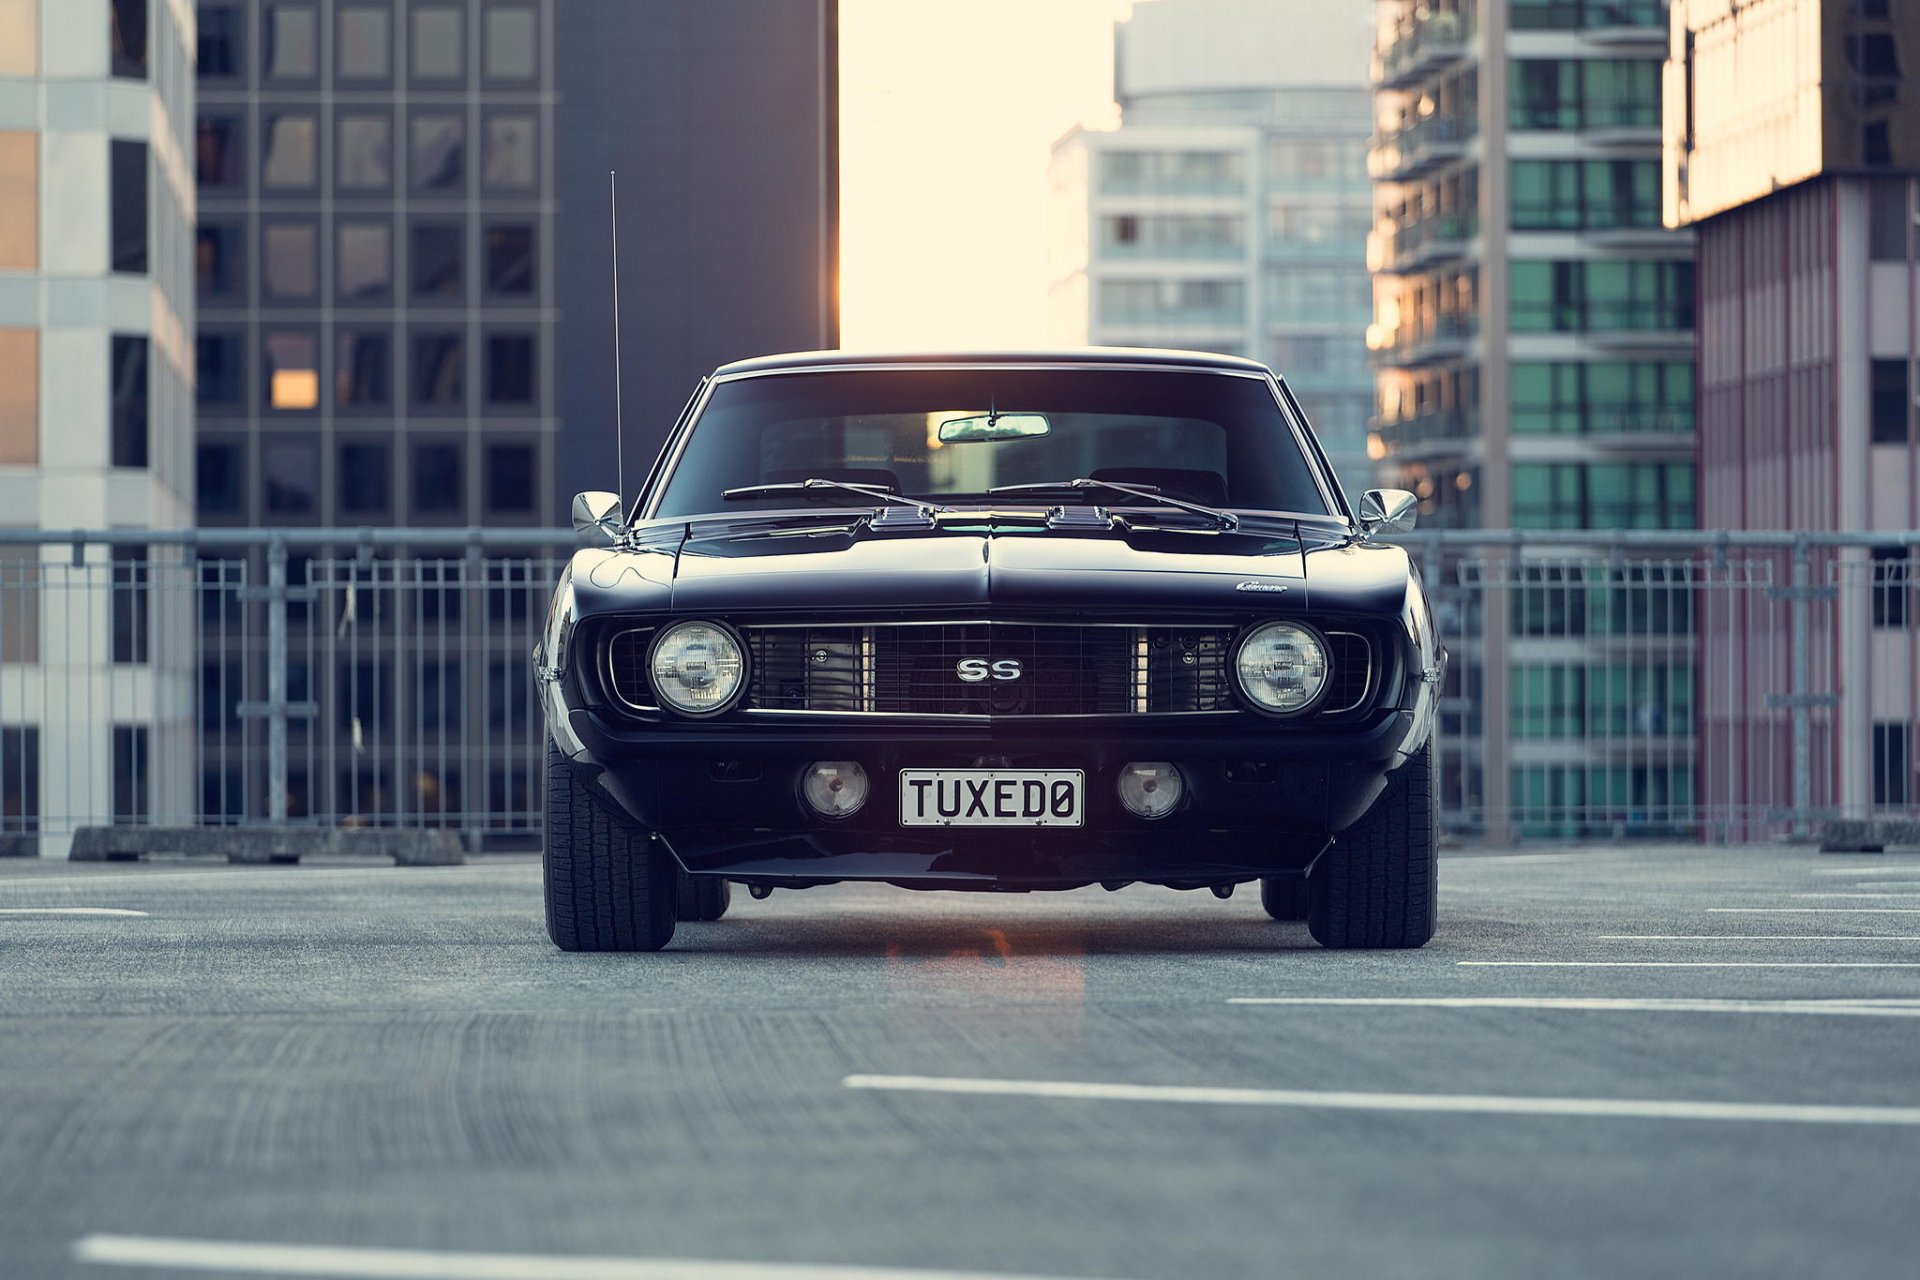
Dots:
(726, 800)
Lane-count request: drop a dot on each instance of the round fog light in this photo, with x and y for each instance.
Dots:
(835, 788)
(1151, 788)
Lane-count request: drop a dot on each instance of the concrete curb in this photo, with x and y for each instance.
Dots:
(407, 846)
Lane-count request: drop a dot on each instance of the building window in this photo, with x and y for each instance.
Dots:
(292, 370)
(366, 480)
(219, 152)
(20, 779)
(290, 160)
(220, 478)
(219, 42)
(1890, 219)
(510, 476)
(439, 371)
(129, 381)
(365, 50)
(19, 397)
(1597, 296)
(129, 201)
(133, 758)
(1892, 401)
(1603, 398)
(19, 41)
(439, 42)
(1892, 763)
(438, 475)
(363, 151)
(361, 371)
(19, 201)
(291, 44)
(218, 369)
(363, 265)
(289, 476)
(511, 152)
(512, 43)
(128, 33)
(132, 607)
(439, 158)
(290, 261)
(510, 369)
(1584, 93)
(510, 269)
(1610, 495)
(218, 262)
(1892, 586)
(437, 260)
(1585, 195)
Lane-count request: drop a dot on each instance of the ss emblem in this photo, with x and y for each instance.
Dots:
(974, 670)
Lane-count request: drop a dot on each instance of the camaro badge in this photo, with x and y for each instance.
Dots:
(1259, 586)
(974, 670)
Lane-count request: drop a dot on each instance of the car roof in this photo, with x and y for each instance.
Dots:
(1135, 356)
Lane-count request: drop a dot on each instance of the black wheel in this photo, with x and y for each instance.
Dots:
(610, 887)
(703, 898)
(1284, 897)
(1379, 884)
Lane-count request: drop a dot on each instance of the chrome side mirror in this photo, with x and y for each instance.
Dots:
(1388, 511)
(599, 512)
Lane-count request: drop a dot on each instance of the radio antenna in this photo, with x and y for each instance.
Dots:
(619, 407)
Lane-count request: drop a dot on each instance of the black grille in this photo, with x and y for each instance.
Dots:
(1064, 669)
(627, 666)
(1350, 658)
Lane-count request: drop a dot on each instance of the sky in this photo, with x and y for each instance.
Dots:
(948, 111)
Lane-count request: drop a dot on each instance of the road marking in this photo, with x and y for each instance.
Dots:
(339, 1261)
(1341, 1100)
(1865, 1008)
(1813, 910)
(68, 911)
(1857, 895)
(1759, 937)
(1689, 964)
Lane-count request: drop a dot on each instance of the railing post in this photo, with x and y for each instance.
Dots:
(277, 679)
(1800, 608)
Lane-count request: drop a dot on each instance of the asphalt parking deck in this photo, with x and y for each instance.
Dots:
(1611, 1061)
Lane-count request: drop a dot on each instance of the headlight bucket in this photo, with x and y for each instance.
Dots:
(697, 668)
(1282, 668)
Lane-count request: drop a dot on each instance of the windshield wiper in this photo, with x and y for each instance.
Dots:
(841, 486)
(1224, 519)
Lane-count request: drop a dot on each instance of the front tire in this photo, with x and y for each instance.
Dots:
(609, 885)
(1285, 897)
(703, 898)
(1378, 887)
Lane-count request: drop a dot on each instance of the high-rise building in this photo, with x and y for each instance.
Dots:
(1229, 210)
(1792, 151)
(96, 332)
(1534, 333)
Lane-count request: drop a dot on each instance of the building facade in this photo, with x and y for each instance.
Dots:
(1533, 331)
(1792, 150)
(96, 370)
(1229, 211)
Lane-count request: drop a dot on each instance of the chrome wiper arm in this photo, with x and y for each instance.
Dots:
(1225, 519)
(841, 486)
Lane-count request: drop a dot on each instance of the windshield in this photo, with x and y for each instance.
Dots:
(943, 434)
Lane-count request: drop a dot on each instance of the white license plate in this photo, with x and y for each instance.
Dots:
(992, 797)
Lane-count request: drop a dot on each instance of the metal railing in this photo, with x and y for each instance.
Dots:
(1722, 687)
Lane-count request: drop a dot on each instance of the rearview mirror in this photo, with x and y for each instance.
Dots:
(598, 512)
(994, 426)
(1388, 511)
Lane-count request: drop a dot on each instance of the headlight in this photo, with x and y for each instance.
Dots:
(698, 668)
(1282, 667)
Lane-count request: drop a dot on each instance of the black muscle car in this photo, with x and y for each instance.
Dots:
(1007, 622)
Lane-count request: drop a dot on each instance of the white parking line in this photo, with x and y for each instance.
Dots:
(68, 911)
(1688, 964)
(1857, 895)
(163, 1254)
(1892, 1008)
(1810, 911)
(1451, 1103)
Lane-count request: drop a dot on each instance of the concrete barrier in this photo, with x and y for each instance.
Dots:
(19, 846)
(407, 846)
(1856, 836)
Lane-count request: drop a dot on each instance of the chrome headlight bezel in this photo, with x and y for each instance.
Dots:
(734, 696)
(1313, 636)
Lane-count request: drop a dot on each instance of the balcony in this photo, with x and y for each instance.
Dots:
(1420, 147)
(1436, 433)
(1428, 43)
(1416, 246)
(1446, 337)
